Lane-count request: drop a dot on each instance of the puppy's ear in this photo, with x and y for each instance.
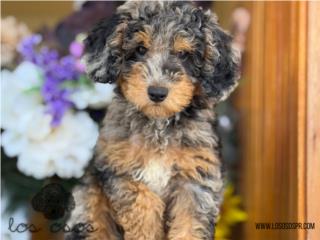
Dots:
(221, 61)
(103, 54)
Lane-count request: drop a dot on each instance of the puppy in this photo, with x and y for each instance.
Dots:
(156, 174)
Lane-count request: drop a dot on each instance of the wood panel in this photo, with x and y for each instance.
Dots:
(272, 103)
(313, 121)
(37, 14)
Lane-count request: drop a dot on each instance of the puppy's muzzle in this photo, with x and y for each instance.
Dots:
(157, 94)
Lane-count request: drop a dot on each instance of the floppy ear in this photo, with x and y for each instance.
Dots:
(221, 67)
(103, 53)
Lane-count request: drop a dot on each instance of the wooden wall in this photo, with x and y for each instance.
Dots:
(313, 121)
(37, 14)
(279, 123)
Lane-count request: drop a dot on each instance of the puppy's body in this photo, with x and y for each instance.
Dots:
(156, 173)
(169, 167)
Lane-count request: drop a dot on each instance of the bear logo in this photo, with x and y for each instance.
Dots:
(53, 201)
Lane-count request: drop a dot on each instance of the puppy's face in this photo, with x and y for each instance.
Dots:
(162, 54)
(154, 74)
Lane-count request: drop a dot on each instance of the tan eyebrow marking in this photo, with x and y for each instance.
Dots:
(182, 44)
(144, 37)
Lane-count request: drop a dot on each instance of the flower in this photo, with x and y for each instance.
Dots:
(25, 79)
(12, 32)
(96, 96)
(26, 48)
(56, 72)
(76, 49)
(63, 72)
(88, 94)
(231, 213)
(42, 150)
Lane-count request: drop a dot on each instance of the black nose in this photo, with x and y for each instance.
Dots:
(157, 94)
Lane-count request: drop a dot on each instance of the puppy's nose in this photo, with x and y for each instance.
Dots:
(157, 94)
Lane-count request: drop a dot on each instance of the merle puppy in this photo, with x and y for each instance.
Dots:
(156, 174)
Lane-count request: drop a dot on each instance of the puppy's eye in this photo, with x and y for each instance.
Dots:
(182, 55)
(141, 50)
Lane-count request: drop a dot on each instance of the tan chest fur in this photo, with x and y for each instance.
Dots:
(155, 174)
(153, 167)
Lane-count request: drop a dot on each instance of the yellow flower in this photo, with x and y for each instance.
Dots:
(231, 214)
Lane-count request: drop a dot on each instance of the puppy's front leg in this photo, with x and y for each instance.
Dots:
(194, 195)
(138, 210)
(192, 210)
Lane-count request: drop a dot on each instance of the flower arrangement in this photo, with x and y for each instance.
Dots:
(43, 119)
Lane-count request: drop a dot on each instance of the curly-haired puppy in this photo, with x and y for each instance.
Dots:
(156, 174)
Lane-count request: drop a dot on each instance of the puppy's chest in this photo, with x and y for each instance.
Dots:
(155, 174)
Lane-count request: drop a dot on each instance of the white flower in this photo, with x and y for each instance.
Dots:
(96, 97)
(42, 151)
(15, 101)
(64, 151)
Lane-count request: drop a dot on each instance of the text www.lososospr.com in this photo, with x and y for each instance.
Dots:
(284, 225)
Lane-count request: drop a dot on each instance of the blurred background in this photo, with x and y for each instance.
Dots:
(269, 127)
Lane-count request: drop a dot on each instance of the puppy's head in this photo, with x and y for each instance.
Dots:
(161, 55)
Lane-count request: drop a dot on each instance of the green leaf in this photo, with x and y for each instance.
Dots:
(32, 90)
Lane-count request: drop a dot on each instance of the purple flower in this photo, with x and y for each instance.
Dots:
(80, 66)
(56, 72)
(26, 47)
(46, 57)
(76, 49)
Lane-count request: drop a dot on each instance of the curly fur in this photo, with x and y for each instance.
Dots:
(156, 174)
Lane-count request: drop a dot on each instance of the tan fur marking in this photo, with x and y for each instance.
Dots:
(118, 38)
(143, 37)
(183, 225)
(129, 154)
(189, 159)
(142, 220)
(182, 44)
(126, 155)
(134, 87)
(98, 207)
(180, 94)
